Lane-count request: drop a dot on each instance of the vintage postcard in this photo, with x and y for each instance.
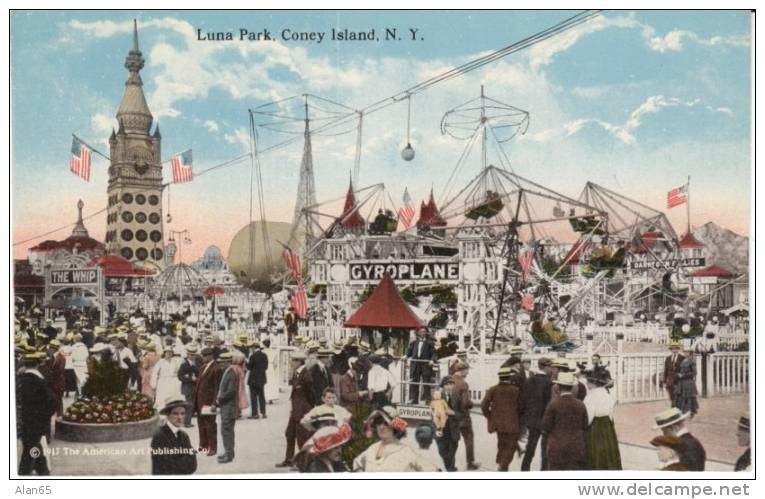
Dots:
(284, 242)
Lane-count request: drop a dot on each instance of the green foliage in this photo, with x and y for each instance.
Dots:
(105, 379)
(360, 442)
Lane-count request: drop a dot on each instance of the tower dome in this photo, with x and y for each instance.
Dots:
(133, 114)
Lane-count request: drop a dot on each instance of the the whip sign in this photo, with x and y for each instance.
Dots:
(74, 277)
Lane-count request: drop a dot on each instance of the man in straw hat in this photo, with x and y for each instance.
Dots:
(227, 402)
(205, 394)
(565, 423)
(380, 381)
(536, 394)
(502, 408)
(300, 401)
(672, 366)
(459, 371)
(171, 449)
(672, 422)
(744, 462)
(669, 449)
(37, 405)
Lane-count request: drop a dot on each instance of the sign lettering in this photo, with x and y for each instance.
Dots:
(406, 271)
(74, 277)
(655, 264)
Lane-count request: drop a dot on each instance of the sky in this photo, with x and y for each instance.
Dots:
(634, 101)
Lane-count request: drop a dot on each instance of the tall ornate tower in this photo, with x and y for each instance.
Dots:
(134, 213)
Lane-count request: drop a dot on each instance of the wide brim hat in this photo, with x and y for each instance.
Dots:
(675, 344)
(151, 347)
(254, 344)
(171, 403)
(35, 355)
(669, 417)
(325, 352)
(225, 356)
(330, 437)
(191, 348)
(565, 379)
(207, 351)
(320, 414)
(670, 441)
(505, 372)
(458, 366)
(559, 363)
(389, 415)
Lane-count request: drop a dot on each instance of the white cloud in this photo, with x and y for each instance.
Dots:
(211, 126)
(102, 125)
(675, 40)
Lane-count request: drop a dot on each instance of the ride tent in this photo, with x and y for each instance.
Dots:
(385, 311)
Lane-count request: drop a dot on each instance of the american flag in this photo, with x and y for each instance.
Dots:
(80, 162)
(299, 302)
(182, 167)
(525, 260)
(293, 263)
(406, 213)
(677, 196)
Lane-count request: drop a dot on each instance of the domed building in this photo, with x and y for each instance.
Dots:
(213, 267)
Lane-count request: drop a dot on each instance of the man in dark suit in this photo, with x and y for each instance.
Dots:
(300, 400)
(672, 423)
(320, 376)
(502, 408)
(422, 356)
(672, 367)
(36, 406)
(535, 395)
(449, 437)
(227, 402)
(171, 449)
(205, 394)
(257, 364)
(565, 423)
(188, 372)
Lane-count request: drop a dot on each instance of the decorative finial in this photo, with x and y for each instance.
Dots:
(135, 36)
(79, 228)
(80, 206)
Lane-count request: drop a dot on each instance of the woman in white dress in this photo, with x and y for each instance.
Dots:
(272, 373)
(389, 454)
(164, 378)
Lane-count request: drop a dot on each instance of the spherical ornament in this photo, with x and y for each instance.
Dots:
(408, 152)
(715, 319)
(642, 317)
(686, 328)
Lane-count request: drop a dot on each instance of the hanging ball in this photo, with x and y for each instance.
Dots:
(408, 152)
(169, 218)
(715, 318)
(686, 328)
(642, 317)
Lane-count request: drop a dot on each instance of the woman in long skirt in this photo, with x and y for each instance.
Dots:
(602, 445)
(148, 360)
(685, 393)
(164, 379)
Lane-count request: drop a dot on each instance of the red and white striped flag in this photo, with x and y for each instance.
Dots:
(80, 162)
(677, 196)
(182, 167)
(525, 260)
(293, 263)
(299, 302)
(406, 213)
(527, 302)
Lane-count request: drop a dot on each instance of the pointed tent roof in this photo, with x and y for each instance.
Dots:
(385, 309)
(350, 220)
(79, 239)
(133, 113)
(713, 271)
(689, 242)
(429, 214)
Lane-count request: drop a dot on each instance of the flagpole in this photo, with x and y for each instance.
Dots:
(688, 204)
(92, 148)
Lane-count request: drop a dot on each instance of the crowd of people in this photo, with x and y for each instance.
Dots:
(341, 413)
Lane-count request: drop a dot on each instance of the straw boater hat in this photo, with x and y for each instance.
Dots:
(669, 417)
(312, 347)
(330, 437)
(225, 356)
(364, 346)
(207, 351)
(675, 344)
(505, 372)
(670, 441)
(320, 414)
(338, 346)
(325, 352)
(35, 355)
(743, 422)
(192, 348)
(171, 403)
(255, 344)
(151, 347)
(457, 366)
(298, 355)
(517, 350)
(565, 379)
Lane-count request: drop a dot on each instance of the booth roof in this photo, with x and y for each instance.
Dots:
(385, 309)
(116, 266)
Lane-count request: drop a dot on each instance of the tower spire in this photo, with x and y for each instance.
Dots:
(79, 228)
(133, 113)
(135, 36)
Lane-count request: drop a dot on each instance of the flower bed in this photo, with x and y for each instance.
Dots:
(129, 407)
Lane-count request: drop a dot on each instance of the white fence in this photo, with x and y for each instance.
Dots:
(725, 337)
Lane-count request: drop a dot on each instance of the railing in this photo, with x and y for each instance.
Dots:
(727, 373)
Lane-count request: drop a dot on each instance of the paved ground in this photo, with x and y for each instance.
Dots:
(260, 444)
